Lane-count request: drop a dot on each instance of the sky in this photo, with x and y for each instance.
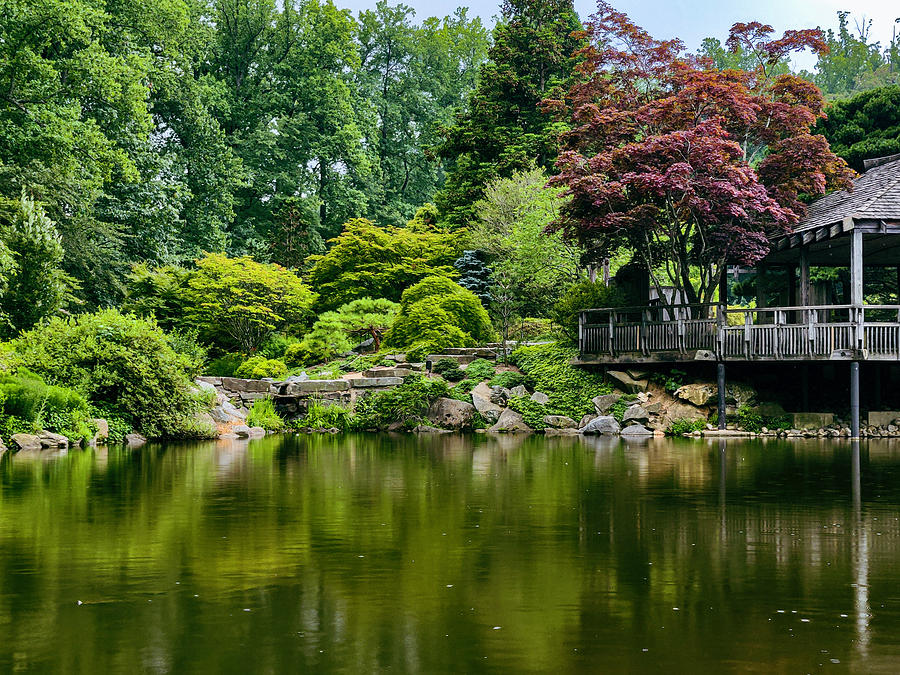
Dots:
(693, 20)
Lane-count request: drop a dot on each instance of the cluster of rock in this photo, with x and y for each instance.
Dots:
(48, 440)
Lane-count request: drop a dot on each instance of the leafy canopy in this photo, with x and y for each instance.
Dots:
(247, 299)
(379, 262)
(689, 168)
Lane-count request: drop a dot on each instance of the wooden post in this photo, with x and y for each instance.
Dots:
(761, 300)
(792, 285)
(720, 381)
(856, 267)
(854, 399)
(804, 278)
(723, 286)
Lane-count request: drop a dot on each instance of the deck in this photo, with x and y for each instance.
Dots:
(682, 333)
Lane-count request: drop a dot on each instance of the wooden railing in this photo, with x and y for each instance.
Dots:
(771, 333)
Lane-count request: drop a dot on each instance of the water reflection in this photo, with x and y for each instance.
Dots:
(443, 553)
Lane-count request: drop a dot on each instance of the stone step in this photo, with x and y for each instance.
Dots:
(387, 372)
(477, 352)
(374, 382)
(461, 359)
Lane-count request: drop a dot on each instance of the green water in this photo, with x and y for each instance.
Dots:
(450, 554)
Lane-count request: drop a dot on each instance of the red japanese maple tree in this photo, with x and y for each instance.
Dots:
(688, 166)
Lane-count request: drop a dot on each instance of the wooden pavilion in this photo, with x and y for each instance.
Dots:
(856, 229)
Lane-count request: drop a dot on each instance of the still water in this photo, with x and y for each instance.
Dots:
(452, 554)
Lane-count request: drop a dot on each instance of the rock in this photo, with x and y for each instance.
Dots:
(560, 422)
(135, 440)
(230, 409)
(256, 432)
(319, 386)
(453, 414)
(242, 430)
(509, 421)
(587, 419)
(626, 383)
(51, 440)
(374, 382)
(243, 385)
(519, 390)
(500, 395)
(299, 377)
(425, 429)
(636, 413)
(672, 410)
(638, 374)
(603, 403)
(204, 385)
(26, 442)
(740, 394)
(697, 394)
(364, 346)
(481, 399)
(540, 397)
(636, 430)
(386, 372)
(550, 431)
(605, 425)
(102, 434)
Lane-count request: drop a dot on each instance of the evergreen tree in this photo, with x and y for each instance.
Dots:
(503, 129)
(474, 274)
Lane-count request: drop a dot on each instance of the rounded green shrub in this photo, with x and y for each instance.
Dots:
(442, 313)
(119, 362)
(258, 367)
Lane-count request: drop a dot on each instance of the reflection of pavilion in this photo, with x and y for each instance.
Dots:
(860, 541)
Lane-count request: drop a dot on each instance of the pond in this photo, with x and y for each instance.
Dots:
(452, 554)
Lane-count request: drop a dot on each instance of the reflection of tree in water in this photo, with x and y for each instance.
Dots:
(566, 543)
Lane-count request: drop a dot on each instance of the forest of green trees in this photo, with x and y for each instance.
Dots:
(279, 180)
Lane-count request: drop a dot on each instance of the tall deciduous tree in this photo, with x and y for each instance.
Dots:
(503, 129)
(690, 168)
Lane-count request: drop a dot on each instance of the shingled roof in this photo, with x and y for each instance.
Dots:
(875, 196)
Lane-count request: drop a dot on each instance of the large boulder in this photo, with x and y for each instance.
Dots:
(509, 422)
(242, 430)
(452, 414)
(500, 395)
(540, 397)
(102, 435)
(740, 394)
(560, 422)
(671, 410)
(519, 390)
(625, 382)
(481, 399)
(699, 394)
(603, 403)
(26, 442)
(636, 430)
(135, 440)
(605, 425)
(587, 419)
(51, 440)
(636, 414)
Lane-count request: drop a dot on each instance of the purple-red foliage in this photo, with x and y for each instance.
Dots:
(689, 166)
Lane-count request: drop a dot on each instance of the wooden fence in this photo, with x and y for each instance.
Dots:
(679, 332)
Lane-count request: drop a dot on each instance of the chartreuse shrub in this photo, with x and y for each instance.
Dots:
(406, 404)
(263, 414)
(28, 404)
(549, 370)
(258, 367)
(438, 313)
(120, 363)
(479, 369)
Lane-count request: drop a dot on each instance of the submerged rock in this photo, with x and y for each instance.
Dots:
(242, 430)
(50, 440)
(636, 430)
(135, 440)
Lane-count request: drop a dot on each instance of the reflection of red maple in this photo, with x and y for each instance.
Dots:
(687, 165)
